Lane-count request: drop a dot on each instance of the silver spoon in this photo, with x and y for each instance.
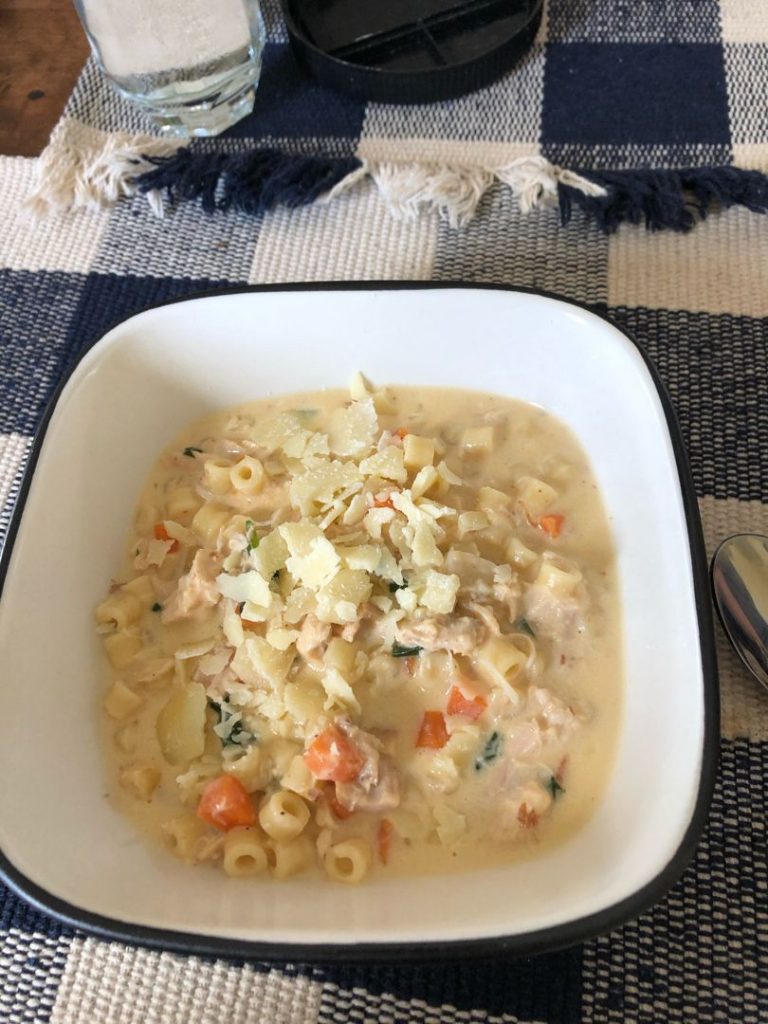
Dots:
(740, 586)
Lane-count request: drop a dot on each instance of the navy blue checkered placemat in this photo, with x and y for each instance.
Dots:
(608, 85)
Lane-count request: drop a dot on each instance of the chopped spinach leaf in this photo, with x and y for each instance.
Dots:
(394, 587)
(251, 535)
(157, 607)
(490, 751)
(190, 451)
(400, 651)
(230, 729)
(523, 626)
(554, 787)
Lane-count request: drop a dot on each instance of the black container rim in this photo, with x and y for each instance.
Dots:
(386, 85)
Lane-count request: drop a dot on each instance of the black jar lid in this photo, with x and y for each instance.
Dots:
(410, 51)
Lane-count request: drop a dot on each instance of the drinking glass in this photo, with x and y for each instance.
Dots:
(191, 65)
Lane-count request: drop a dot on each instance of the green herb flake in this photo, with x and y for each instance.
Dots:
(554, 787)
(157, 607)
(490, 751)
(394, 587)
(400, 651)
(191, 450)
(250, 533)
(523, 626)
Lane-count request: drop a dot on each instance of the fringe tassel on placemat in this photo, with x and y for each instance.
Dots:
(256, 182)
(82, 167)
(455, 192)
(664, 199)
(252, 183)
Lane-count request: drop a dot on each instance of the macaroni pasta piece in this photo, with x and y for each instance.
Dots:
(245, 853)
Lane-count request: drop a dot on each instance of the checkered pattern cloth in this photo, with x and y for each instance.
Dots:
(607, 84)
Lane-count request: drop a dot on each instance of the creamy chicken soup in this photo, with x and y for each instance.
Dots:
(367, 634)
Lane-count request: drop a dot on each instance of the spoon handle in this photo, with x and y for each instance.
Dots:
(740, 585)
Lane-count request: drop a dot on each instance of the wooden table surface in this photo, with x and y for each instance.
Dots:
(42, 49)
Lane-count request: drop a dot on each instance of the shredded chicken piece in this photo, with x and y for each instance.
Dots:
(549, 613)
(551, 711)
(486, 616)
(313, 640)
(219, 686)
(195, 591)
(368, 613)
(377, 786)
(522, 748)
(508, 593)
(349, 631)
(523, 740)
(458, 634)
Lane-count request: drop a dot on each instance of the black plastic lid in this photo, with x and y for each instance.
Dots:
(410, 51)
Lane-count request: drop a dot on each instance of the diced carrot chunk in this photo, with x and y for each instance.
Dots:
(384, 839)
(161, 533)
(333, 757)
(466, 707)
(225, 804)
(401, 432)
(432, 732)
(552, 524)
(383, 502)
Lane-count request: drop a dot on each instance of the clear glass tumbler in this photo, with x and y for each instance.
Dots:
(191, 65)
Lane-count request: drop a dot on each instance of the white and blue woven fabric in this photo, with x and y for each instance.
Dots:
(609, 88)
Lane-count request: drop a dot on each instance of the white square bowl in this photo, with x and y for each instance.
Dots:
(63, 845)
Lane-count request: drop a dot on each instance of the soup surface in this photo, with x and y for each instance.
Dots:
(366, 633)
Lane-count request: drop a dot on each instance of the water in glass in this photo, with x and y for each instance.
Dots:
(191, 65)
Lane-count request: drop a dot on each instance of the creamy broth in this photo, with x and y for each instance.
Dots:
(427, 678)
